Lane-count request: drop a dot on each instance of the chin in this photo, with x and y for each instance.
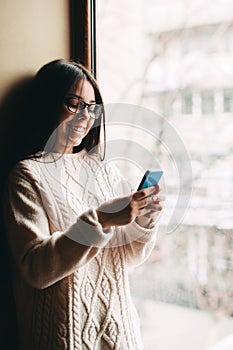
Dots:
(74, 143)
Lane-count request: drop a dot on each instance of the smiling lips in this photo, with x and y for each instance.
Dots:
(78, 129)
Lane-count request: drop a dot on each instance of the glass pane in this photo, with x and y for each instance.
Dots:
(187, 102)
(159, 61)
(228, 100)
(207, 102)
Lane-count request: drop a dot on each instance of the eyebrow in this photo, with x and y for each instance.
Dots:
(80, 97)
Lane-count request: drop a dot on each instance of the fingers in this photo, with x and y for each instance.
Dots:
(150, 209)
(157, 189)
(150, 212)
(150, 201)
(155, 205)
(146, 192)
(146, 202)
(158, 199)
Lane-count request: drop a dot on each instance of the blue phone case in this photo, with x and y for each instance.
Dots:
(151, 178)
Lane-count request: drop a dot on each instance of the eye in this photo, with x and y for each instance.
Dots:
(73, 102)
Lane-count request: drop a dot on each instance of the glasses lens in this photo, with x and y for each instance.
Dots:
(95, 111)
(74, 105)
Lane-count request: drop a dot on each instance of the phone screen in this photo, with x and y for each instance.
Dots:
(150, 178)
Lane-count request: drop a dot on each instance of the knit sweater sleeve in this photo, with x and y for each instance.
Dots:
(140, 242)
(39, 257)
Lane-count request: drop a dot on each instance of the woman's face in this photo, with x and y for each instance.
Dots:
(73, 128)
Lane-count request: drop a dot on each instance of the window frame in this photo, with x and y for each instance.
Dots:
(82, 18)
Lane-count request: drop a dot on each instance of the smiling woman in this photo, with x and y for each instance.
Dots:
(55, 84)
(76, 120)
(71, 237)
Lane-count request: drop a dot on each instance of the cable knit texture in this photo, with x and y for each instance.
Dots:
(69, 275)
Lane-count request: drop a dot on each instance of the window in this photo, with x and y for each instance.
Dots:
(83, 33)
(228, 100)
(187, 102)
(207, 101)
(142, 62)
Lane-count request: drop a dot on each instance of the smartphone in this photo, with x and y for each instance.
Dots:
(150, 178)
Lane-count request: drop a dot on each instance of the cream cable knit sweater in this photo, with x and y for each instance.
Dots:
(69, 276)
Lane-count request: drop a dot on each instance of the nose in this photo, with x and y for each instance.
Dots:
(83, 113)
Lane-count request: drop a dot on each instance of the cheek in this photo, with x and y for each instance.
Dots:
(90, 125)
(64, 117)
(63, 127)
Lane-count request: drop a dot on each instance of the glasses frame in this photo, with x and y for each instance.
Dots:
(81, 107)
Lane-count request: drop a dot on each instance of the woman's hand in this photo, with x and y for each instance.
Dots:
(124, 210)
(154, 209)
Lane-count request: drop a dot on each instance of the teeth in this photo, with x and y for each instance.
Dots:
(79, 129)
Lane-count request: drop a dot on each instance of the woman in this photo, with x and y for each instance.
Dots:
(71, 235)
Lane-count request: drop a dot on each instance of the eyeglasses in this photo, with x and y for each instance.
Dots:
(76, 105)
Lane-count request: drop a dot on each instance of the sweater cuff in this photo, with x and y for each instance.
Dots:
(88, 231)
(135, 232)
